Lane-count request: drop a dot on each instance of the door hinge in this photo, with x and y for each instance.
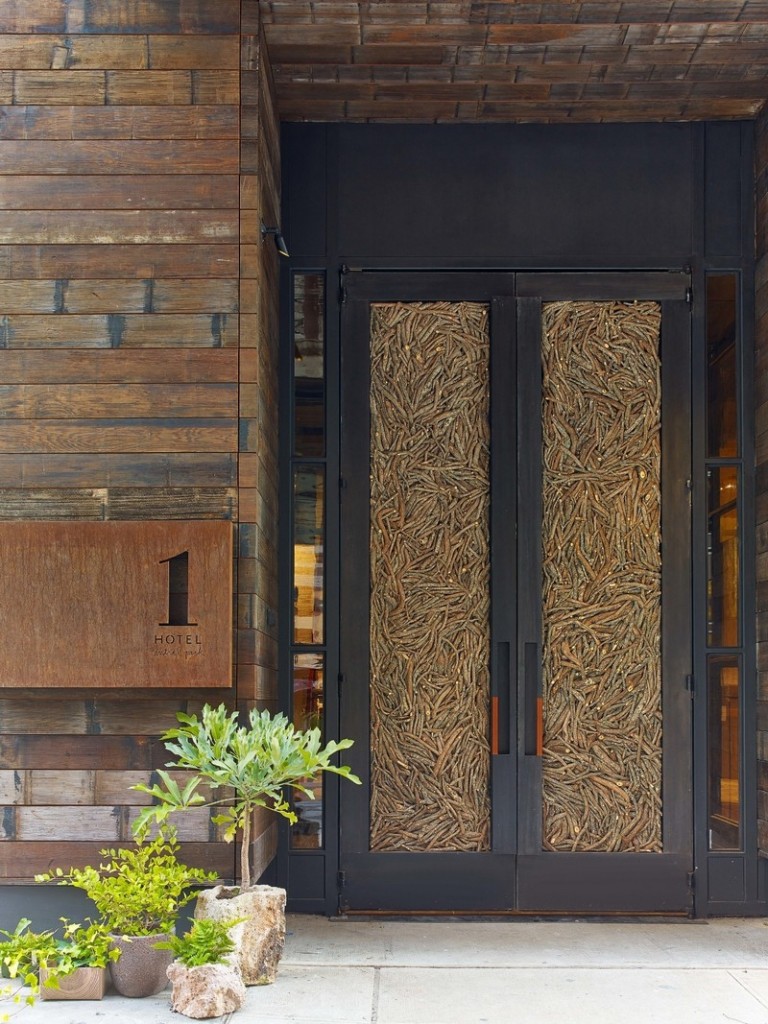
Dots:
(340, 680)
(690, 685)
(689, 296)
(341, 880)
(690, 878)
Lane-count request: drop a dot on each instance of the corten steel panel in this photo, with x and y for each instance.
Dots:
(97, 604)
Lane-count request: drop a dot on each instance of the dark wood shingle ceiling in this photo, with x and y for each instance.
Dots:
(514, 60)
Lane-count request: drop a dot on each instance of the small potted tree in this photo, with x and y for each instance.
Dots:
(244, 767)
(206, 982)
(138, 893)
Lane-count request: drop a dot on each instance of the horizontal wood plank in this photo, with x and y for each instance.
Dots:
(120, 157)
(183, 16)
(124, 435)
(74, 504)
(74, 366)
(13, 787)
(43, 52)
(82, 401)
(105, 824)
(169, 87)
(20, 262)
(135, 122)
(51, 788)
(117, 503)
(57, 88)
(40, 51)
(60, 753)
(188, 469)
(104, 227)
(66, 296)
(129, 330)
(186, 51)
(118, 192)
(21, 861)
(172, 503)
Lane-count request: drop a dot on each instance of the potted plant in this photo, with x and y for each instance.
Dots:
(20, 951)
(77, 966)
(138, 893)
(72, 966)
(206, 982)
(244, 767)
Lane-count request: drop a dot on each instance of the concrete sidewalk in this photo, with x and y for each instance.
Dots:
(460, 972)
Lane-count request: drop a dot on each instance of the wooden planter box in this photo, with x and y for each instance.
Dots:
(83, 983)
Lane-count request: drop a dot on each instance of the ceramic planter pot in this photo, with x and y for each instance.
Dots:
(260, 938)
(82, 983)
(140, 971)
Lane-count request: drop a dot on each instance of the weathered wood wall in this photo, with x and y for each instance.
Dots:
(137, 360)
(761, 432)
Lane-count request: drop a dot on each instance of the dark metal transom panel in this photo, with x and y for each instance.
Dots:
(517, 60)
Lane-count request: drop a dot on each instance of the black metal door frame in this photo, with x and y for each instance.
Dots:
(515, 876)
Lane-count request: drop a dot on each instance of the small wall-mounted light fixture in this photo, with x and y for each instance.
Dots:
(282, 248)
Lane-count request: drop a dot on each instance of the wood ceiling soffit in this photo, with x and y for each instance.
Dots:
(516, 60)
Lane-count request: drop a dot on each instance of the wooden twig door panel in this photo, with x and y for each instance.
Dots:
(512, 630)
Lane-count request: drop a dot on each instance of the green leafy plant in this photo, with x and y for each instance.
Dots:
(81, 945)
(23, 953)
(254, 762)
(206, 942)
(137, 891)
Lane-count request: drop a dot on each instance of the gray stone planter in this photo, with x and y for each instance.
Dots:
(210, 990)
(260, 937)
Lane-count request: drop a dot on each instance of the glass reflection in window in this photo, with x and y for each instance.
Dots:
(724, 733)
(309, 364)
(722, 393)
(308, 700)
(308, 554)
(723, 558)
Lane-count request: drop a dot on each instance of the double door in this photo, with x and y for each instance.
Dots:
(515, 593)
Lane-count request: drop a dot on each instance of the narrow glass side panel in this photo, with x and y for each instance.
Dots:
(724, 732)
(308, 702)
(722, 388)
(723, 569)
(309, 365)
(308, 554)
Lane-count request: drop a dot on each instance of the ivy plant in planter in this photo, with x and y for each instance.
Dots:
(205, 977)
(138, 892)
(244, 767)
(70, 966)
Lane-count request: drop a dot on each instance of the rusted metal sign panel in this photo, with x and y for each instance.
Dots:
(116, 604)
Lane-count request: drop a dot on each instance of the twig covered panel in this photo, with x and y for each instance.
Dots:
(601, 536)
(429, 576)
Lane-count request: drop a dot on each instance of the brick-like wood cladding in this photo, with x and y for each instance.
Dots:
(761, 431)
(138, 334)
(518, 60)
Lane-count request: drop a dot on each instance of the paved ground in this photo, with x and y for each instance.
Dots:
(458, 972)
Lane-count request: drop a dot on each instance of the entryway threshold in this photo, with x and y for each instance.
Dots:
(507, 972)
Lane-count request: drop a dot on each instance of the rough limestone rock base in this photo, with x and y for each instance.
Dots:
(210, 990)
(261, 937)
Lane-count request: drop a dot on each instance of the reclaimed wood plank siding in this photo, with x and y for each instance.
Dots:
(137, 363)
(761, 432)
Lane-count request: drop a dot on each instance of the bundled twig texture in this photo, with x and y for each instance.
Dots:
(602, 576)
(430, 572)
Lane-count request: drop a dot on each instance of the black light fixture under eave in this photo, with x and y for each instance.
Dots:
(282, 248)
